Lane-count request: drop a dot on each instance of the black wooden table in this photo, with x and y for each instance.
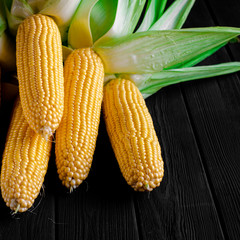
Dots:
(198, 126)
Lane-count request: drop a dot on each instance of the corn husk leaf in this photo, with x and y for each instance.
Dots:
(175, 16)
(153, 51)
(3, 24)
(21, 9)
(126, 18)
(60, 10)
(102, 17)
(154, 11)
(36, 5)
(201, 57)
(12, 20)
(66, 51)
(79, 34)
(156, 81)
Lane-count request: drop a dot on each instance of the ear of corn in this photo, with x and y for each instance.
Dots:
(78, 130)
(132, 135)
(40, 73)
(24, 163)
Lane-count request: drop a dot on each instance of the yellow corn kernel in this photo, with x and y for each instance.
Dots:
(132, 135)
(40, 73)
(77, 134)
(24, 163)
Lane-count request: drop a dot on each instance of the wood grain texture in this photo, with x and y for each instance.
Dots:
(220, 151)
(213, 107)
(182, 208)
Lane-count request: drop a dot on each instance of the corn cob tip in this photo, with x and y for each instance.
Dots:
(71, 183)
(16, 206)
(46, 132)
(17, 209)
(146, 185)
(147, 188)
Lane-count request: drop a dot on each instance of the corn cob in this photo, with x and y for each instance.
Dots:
(40, 73)
(78, 130)
(132, 135)
(24, 163)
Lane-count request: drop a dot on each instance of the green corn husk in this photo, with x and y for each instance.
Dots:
(100, 20)
(154, 51)
(159, 53)
(79, 34)
(154, 11)
(103, 14)
(60, 10)
(127, 16)
(175, 16)
(156, 81)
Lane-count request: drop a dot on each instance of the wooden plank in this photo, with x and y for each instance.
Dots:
(102, 206)
(218, 137)
(182, 207)
(213, 106)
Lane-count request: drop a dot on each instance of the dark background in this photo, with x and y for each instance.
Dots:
(198, 126)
